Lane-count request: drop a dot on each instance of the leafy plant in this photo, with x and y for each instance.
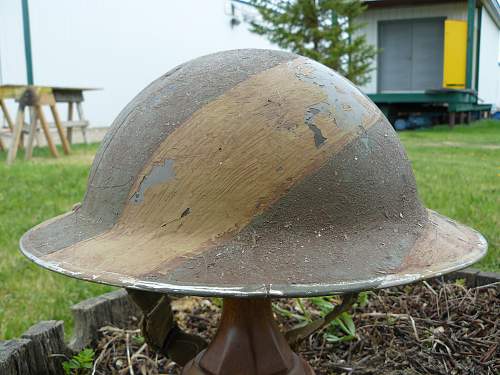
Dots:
(79, 364)
(138, 339)
(341, 329)
(217, 302)
(362, 299)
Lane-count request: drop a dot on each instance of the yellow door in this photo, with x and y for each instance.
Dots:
(455, 50)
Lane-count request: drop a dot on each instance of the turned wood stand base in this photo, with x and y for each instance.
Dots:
(248, 342)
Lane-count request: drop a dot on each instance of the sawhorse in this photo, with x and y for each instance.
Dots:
(34, 98)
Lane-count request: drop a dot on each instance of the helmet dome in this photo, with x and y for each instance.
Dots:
(252, 172)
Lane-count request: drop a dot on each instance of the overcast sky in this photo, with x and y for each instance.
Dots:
(119, 45)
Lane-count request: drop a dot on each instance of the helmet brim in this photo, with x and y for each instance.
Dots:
(442, 246)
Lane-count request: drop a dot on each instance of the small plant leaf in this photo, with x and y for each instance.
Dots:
(81, 361)
(362, 299)
(346, 318)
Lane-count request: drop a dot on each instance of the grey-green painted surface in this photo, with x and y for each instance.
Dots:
(471, 8)
(27, 42)
(411, 57)
(456, 100)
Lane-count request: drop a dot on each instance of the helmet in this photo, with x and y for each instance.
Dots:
(252, 173)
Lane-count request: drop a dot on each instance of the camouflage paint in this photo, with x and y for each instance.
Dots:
(282, 180)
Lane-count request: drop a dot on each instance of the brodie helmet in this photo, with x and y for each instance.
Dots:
(252, 173)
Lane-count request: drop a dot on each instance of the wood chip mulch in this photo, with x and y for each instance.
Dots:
(425, 328)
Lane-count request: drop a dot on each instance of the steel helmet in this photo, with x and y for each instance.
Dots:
(252, 173)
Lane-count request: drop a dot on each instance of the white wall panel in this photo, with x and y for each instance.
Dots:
(119, 45)
(489, 61)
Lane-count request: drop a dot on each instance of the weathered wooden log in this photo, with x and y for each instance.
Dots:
(486, 278)
(469, 275)
(13, 355)
(46, 348)
(113, 308)
(39, 351)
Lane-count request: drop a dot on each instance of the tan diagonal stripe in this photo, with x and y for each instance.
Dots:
(228, 163)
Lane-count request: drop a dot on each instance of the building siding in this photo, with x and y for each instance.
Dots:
(489, 66)
(371, 17)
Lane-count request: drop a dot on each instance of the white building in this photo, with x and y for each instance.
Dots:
(122, 45)
(117, 45)
(433, 53)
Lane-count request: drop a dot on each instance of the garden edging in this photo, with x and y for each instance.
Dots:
(42, 349)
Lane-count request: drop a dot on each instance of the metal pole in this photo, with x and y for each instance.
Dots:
(27, 41)
(1, 69)
(478, 46)
(471, 5)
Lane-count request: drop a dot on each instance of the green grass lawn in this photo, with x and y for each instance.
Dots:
(458, 174)
(31, 192)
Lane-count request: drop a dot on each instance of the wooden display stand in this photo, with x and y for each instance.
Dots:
(248, 342)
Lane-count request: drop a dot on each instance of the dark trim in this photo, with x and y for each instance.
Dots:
(395, 3)
(473, 277)
(27, 41)
(380, 51)
(425, 97)
(469, 107)
(478, 44)
(471, 8)
(452, 100)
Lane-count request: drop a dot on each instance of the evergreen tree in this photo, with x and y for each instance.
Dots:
(324, 30)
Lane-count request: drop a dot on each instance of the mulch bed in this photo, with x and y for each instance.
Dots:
(425, 328)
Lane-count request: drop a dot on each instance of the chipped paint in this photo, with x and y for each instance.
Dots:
(159, 174)
(348, 106)
(269, 147)
(309, 116)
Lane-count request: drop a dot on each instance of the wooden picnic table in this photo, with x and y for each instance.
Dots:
(34, 98)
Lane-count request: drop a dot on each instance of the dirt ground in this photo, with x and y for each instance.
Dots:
(426, 328)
